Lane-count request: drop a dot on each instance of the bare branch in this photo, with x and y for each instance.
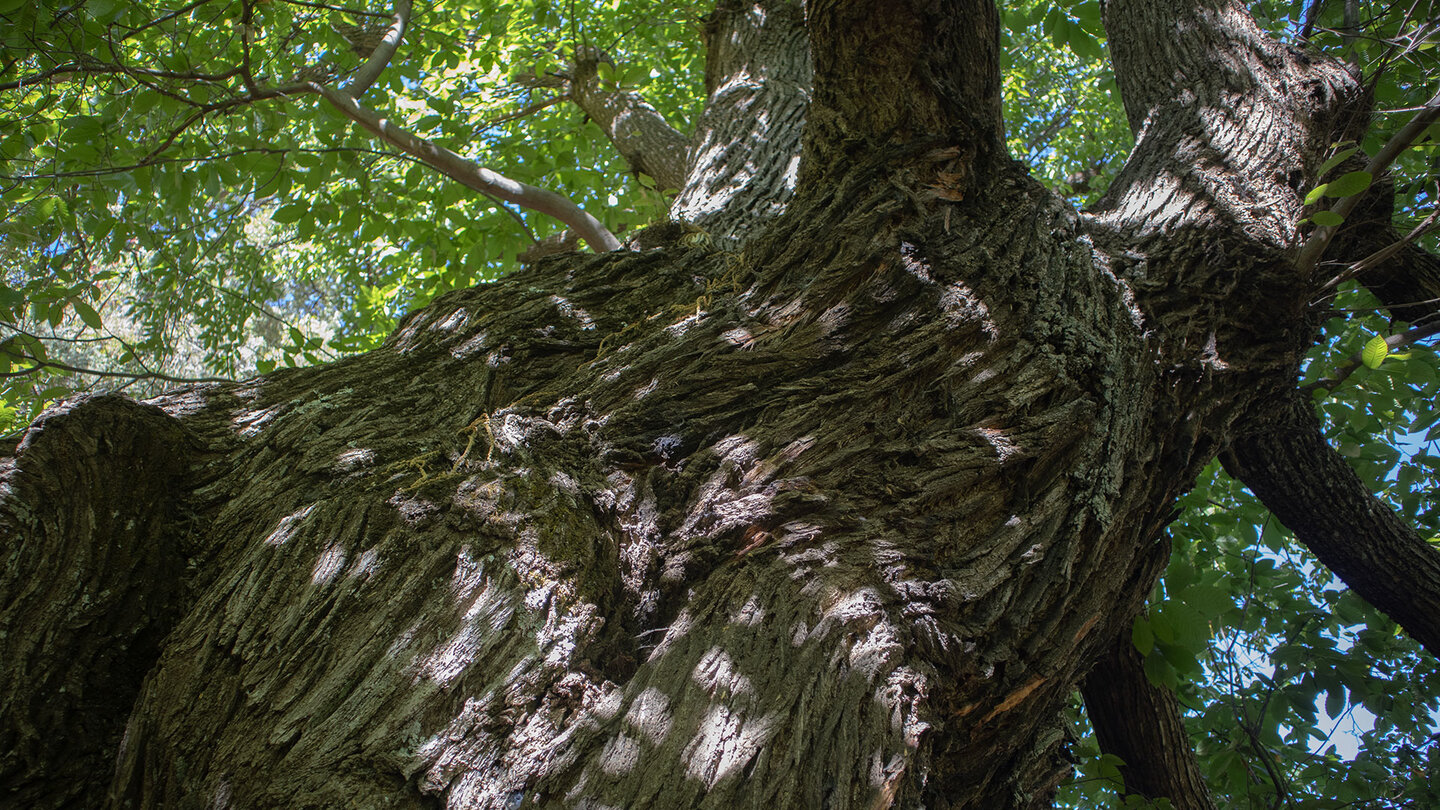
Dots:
(476, 177)
(65, 71)
(149, 375)
(165, 18)
(358, 12)
(1383, 254)
(1284, 459)
(383, 53)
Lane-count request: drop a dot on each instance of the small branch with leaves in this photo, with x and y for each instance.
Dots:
(1310, 253)
(1374, 353)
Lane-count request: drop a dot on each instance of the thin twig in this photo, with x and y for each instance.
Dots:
(165, 18)
(124, 375)
(324, 7)
(1385, 253)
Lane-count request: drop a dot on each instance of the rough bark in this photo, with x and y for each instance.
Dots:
(836, 518)
(1140, 723)
(91, 571)
(639, 132)
(745, 152)
(1284, 459)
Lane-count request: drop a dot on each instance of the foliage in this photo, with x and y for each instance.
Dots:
(153, 193)
(164, 217)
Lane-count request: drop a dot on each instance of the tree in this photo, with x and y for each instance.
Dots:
(829, 491)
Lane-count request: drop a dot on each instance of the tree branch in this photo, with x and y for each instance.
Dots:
(1314, 247)
(1356, 360)
(746, 146)
(1284, 459)
(383, 53)
(638, 131)
(949, 91)
(472, 176)
(1383, 254)
(123, 375)
(1140, 723)
(1403, 275)
(62, 72)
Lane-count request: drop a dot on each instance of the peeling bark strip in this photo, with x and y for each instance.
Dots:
(837, 519)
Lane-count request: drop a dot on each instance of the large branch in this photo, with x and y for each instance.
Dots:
(1140, 723)
(1224, 117)
(1285, 460)
(876, 90)
(649, 144)
(92, 492)
(745, 150)
(383, 53)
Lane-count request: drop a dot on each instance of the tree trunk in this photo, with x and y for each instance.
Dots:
(838, 518)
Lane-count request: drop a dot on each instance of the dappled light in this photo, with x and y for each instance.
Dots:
(760, 433)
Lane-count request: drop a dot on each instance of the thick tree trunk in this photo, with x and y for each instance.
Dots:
(837, 519)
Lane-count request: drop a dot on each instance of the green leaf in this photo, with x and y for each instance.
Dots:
(1316, 193)
(1329, 219)
(1376, 349)
(1141, 635)
(1348, 184)
(1336, 160)
(1334, 702)
(87, 313)
(287, 214)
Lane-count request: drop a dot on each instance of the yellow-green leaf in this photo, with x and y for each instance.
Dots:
(1336, 160)
(1375, 351)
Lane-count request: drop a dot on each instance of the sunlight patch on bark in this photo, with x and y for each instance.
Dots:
(750, 613)
(288, 526)
(620, 755)
(717, 675)
(725, 742)
(249, 423)
(329, 565)
(366, 564)
(452, 322)
(650, 715)
(353, 460)
(676, 631)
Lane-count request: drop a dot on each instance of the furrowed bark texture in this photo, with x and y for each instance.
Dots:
(745, 152)
(1285, 460)
(836, 512)
(638, 131)
(90, 571)
(1140, 722)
